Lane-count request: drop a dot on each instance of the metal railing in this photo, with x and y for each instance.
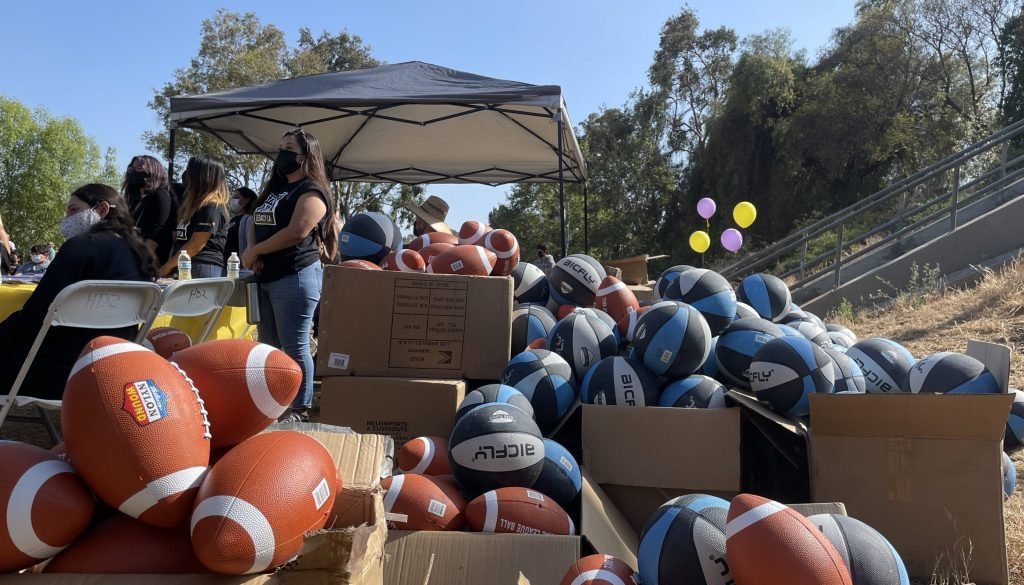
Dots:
(789, 256)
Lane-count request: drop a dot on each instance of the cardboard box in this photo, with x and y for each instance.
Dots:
(642, 457)
(400, 408)
(351, 553)
(382, 323)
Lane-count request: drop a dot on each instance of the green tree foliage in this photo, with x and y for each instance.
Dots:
(42, 160)
(1011, 65)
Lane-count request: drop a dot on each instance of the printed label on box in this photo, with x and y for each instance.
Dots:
(425, 354)
(338, 361)
(428, 324)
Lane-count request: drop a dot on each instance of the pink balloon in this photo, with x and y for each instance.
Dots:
(732, 240)
(706, 207)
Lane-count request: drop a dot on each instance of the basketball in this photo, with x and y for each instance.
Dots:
(950, 372)
(869, 557)
(745, 311)
(619, 381)
(576, 279)
(684, 542)
(546, 381)
(849, 379)
(494, 446)
(529, 284)
(695, 391)
(494, 393)
(672, 339)
(737, 346)
(884, 362)
(666, 278)
(369, 236)
(786, 371)
(582, 340)
(530, 322)
(560, 479)
(1013, 437)
(708, 292)
(766, 294)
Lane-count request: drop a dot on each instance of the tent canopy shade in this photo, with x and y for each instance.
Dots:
(407, 123)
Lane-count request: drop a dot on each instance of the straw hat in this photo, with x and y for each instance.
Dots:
(433, 211)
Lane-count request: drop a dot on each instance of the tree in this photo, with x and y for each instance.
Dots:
(42, 160)
(1011, 65)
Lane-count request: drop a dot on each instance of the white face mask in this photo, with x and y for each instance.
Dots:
(234, 206)
(36, 258)
(79, 223)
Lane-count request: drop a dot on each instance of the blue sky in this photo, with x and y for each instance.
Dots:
(99, 62)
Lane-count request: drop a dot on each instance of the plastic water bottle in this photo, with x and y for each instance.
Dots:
(234, 265)
(184, 266)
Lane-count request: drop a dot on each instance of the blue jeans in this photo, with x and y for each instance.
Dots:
(286, 316)
(204, 270)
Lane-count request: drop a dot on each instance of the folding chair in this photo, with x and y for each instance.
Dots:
(195, 298)
(90, 304)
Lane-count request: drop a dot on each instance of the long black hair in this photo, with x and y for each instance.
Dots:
(119, 221)
(156, 178)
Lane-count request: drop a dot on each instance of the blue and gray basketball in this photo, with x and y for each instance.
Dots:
(619, 381)
(666, 279)
(884, 363)
(767, 294)
(844, 331)
(745, 311)
(369, 236)
(684, 542)
(1013, 438)
(848, 377)
(737, 346)
(582, 339)
(546, 381)
(494, 393)
(561, 478)
(710, 367)
(949, 372)
(810, 329)
(530, 322)
(707, 291)
(694, 391)
(672, 339)
(786, 371)
(870, 558)
(1009, 476)
(529, 284)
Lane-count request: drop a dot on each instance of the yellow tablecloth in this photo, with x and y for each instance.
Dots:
(230, 325)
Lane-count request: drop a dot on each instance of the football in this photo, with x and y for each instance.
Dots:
(136, 430)
(167, 340)
(246, 385)
(403, 261)
(416, 502)
(505, 248)
(123, 545)
(771, 544)
(428, 252)
(260, 499)
(425, 455)
(464, 260)
(472, 232)
(420, 242)
(600, 570)
(517, 510)
(615, 298)
(44, 506)
(359, 264)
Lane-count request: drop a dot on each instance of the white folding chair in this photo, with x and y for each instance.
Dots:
(90, 304)
(196, 298)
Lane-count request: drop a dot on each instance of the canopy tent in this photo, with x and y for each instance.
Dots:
(409, 123)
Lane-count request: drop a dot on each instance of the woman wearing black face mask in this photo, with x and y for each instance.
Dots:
(294, 229)
(155, 209)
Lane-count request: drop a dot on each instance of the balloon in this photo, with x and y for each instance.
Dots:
(732, 239)
(700, 241)
(744, 213)
(706, 207)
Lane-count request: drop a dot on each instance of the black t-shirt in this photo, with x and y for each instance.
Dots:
(208, 218)
(156, 216)
(273, 216)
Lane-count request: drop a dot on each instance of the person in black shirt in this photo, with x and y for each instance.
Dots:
(242, 204)
(294, 228)
(101, 244)
(152, 203)
(202, 219)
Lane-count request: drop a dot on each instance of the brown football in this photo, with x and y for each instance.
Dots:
(615, 298)
(517, 510)
(167, 340)
(472, 232)
(425, 455)
(359, 264)
(416, 502)
(427, 239)
(600, 570)
(506, 248)
(403, 261)
(464, 260)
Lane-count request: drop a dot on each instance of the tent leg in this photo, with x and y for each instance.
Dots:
(586, 221)
(170, 155)
(561, 186)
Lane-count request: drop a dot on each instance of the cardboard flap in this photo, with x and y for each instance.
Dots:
(911, 416)
(996, 358)
(604, 526)
(751, 404)
(358, 457)
(625, 446)
(837, 508)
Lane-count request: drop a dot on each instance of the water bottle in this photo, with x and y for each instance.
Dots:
(184, 266)
(234, 265)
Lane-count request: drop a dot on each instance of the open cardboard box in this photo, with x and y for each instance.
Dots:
(410, 325)
(924, 470)
(350, 553)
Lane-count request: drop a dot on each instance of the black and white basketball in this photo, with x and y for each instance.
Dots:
(694, 391)
(494, 446)
(1013, 438)
(844, 331)
(767, 294)
(529, 284)
(369, 236)
(745, 311)
(867, 554)
(848, 377)
(884, 363)
(707, 291)
(575, 279)
(786, 371)
(546, 380)
(582, 340)
(950, 372)
(672, 339)
(737, 346)
(666, 278)
(561, 478)
(810, 329)
(530, 322)
(619, 381)
(494, 393)
(684, 542)
(840, 339)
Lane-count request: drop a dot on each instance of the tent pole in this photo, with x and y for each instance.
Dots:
(586, 221)
(561, 185)
(170, 155)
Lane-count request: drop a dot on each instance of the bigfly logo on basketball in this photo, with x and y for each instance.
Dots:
(145, 402)
(761, 375)
(580, 269)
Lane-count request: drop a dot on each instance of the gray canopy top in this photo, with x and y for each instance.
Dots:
(405, 123)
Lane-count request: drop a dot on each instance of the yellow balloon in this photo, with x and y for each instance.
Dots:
(700, 241)
(744, 213)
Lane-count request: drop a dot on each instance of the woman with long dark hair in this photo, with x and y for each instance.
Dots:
(242, 204)
(202, 219)
(294, 229)
(101, 243)
(154, 206)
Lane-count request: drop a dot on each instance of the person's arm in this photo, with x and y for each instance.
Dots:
(154, 214)
(5, 240)
(309, 210)
(69, 267)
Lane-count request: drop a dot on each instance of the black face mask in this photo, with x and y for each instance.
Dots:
(286, 162)
(136, 179)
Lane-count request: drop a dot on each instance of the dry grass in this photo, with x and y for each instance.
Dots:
(943, 320)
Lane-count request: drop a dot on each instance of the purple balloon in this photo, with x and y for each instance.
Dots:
(706, 207)
(732, 240)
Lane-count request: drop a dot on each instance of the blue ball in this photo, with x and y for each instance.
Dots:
(767, 294)
(737, 346)
(684, 542)
(1009, 476)
(710, 367)
(695, 391)
(494, 393)
(560, 479)
(950, 372)
(884, 362)
(672, 339)
(369, 236)
(546, 381)
(786, 371)
(1013, 438)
